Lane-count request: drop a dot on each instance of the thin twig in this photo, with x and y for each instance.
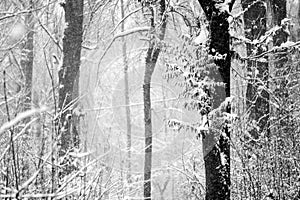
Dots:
(56, 42)
(16, 137)
(124, 18)
(10, 130)
(14, 14)
(54, 124)
(122, 34)
(273, 50)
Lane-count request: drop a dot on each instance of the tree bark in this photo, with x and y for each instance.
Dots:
(127, 102)
(126, 95)
(27, 58)
(293, 12)
(238, 91)
(68, 78)
(156, 37)
(218, 173)
(26, 64)
(276, 12)
(261, 111)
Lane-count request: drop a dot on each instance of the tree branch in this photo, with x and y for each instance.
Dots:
(24, 11)
(122, 34)
(124, 18)
(50, 35)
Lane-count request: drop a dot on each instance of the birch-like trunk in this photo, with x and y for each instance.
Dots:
(127, 98)
(238, 87)
(293, 13)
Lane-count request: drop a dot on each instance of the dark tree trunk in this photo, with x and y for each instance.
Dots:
(151, 59)
(68, 77)
(218, 173)
(259, 110)
(259, 18)
(275, 12)
(270, 16)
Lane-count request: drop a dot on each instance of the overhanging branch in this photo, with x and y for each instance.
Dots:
(119, 35)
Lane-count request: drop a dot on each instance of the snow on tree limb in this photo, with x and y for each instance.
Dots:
(17, 136)
(34, 176)
(20, 117)
(122, 20)
(240, 14)
(122, 34)
(283, 46)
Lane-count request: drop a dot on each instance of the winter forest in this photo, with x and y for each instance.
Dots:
(150, 99)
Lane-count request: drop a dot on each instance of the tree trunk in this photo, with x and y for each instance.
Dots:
(238, 91)
(261, 111)
(68, 78)
(156, 37)
(217, 171)
(27, 58)
(27, 72)
(126, 95)
(293, 12)
(276, 12)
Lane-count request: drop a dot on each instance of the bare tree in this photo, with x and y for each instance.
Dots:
(157, 34)
(293, 12)
(217, 172)
(68, 77)
(27, 55)
(162, 188)
(126, 94)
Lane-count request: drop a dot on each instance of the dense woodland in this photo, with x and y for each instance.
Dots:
(150, 99)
